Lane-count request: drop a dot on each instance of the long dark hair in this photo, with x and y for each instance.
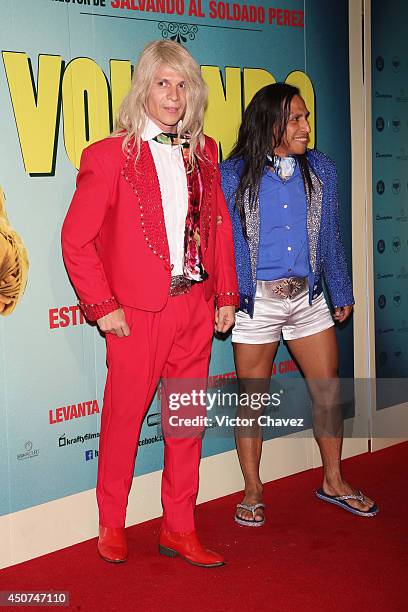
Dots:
(262, 130)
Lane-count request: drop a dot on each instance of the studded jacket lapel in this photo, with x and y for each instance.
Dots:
(207, 169)
(144, 183)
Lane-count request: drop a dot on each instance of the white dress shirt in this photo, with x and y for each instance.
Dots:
(173, 186)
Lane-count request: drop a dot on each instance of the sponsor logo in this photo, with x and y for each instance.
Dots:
(380, 187)
(402, 155)
(402, 217)
(387, 330)
(379, 63)
(378, 94)
(91, 454)
(396, 299)
(404, 327)
(64, 441)
(379, 124)
(396, 124)
(383, 358)
(397, 352)
(403, 274)
(382, 300)
(29, 451)
(402, 96)
(396, 186)
(396, 63)
(383, 217)
(396, 244)
(388, 275)
(381, 246)
(383, 155)
(154, 419)
(74, 411)
(151, 440)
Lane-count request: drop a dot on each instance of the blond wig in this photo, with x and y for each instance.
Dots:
(131, 115)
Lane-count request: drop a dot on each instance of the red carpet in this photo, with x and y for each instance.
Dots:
(309, 556)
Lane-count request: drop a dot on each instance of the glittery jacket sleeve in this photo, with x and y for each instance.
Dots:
(226, 284)
(80, 229)
(334, 264)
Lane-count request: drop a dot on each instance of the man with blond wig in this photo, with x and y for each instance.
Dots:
(153, 265)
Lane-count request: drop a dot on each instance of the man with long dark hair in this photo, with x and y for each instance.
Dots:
(283, 202)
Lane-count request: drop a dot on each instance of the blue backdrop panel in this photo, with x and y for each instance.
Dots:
(390, 190)
(52, 365)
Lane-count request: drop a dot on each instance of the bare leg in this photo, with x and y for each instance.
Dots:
(252, 361)
(323, 367)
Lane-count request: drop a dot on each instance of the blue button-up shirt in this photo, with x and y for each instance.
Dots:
(283, 247)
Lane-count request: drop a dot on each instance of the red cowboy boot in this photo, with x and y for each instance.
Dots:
(112, 545)
(188, 546)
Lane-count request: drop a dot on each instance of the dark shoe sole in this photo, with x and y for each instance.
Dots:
(111, 560)
(169, 552)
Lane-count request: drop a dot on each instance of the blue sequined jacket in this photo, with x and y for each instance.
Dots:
(327, 257)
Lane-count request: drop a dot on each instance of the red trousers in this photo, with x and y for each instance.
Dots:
(173, 343)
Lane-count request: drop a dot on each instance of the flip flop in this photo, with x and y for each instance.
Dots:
(248, 522)
(341, 500)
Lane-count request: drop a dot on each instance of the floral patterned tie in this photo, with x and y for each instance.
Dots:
(192, 267)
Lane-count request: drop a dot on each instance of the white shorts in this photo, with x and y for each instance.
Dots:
(272, 316)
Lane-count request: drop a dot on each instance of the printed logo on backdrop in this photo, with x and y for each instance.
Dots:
(29, 452)
(381, 246)
(73, 411)
(64, 441)
(379, 124)
(382, 301)
(402, 96)
(380, 187)
(402, 155)
(396, 124)
(380, 155)
(396, 63)
(151, 440)
(154, 420)
(397, 352)
(396, 244)
(403, 274)
(379, 63)
(396, 186)
(396, 299)
(90, 455)
(379, 94)
(402, 217)
(384, 276)
(379, 217)
(386, 330)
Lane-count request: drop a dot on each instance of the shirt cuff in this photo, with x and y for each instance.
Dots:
(93, 312)
(227, 298)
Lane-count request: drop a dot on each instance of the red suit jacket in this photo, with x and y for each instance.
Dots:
(114, 238)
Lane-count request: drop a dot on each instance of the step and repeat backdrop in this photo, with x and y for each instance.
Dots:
(64, 68)
(390, 197)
